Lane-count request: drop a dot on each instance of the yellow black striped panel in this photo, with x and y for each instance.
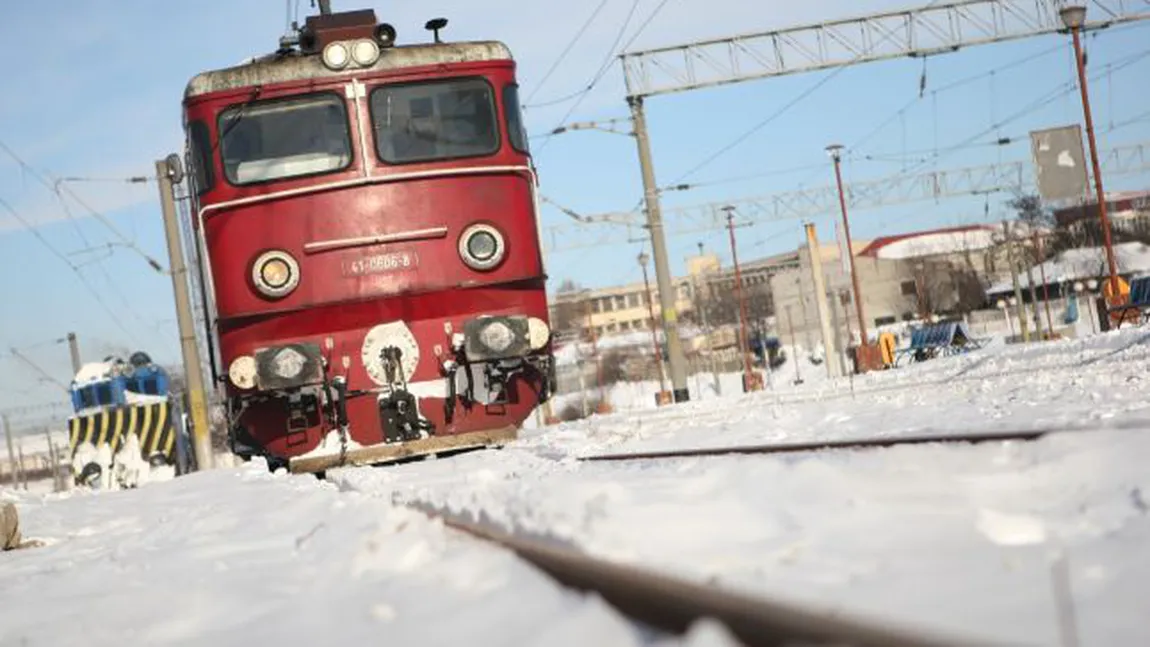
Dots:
(151, 424)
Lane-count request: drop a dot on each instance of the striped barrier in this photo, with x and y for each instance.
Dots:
(150, 423)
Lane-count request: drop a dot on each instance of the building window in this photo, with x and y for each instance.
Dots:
(909, 288)
(884, 321)
(633, 300)
(620, 302)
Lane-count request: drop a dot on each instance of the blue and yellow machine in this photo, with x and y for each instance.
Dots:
(115, 400)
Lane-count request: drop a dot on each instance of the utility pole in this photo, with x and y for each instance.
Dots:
(169, 172)
(820, 296)
(74, 349)
(707, 332)
(602, 407)
(11, 450)
(1034, 311)
(1038, 250)
(675, 358)
(794, 345)
(643, 258)
(750, 383)
(1021, 310)
(1074, 17)
(863, 357)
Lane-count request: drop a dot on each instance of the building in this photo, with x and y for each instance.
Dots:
(1129, 211)
(614, 310)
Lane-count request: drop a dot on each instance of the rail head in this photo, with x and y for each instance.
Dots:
(673, 604)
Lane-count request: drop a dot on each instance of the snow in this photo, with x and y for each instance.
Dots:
(219, 557)
(930, 244)
(93, 372)
(1082, 264)
(958, 538)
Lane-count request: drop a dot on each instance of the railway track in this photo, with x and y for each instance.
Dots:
(925, 438)
(672, 604)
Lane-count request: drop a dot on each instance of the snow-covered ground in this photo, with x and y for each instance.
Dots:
(958, 538)
(244, 557)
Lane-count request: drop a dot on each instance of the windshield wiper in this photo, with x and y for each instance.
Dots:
(235, 120)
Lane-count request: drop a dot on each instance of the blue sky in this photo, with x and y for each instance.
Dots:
(95, 92)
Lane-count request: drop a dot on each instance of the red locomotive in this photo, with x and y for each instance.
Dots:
(367, 235)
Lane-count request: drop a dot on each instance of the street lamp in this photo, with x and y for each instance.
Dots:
(1074, 17)
(660, 397)
(863, 363)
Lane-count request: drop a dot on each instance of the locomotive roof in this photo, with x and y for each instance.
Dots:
(294, 67)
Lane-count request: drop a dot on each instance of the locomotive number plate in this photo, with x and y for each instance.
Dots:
(393, 262)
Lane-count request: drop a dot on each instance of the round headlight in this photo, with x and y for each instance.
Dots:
(497, 336)
(482, 247)
(365, 52)
(242, 372)
(275, 273)
(336, 56)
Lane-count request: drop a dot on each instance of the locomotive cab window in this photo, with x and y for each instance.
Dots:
(284, 138)
(516, 133)
(419, 122)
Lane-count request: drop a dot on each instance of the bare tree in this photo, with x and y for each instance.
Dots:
(722, 306)
(568, 314)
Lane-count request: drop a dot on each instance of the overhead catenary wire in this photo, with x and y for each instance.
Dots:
(59, 187)
(27, 224)
(580, 96)
(1042, 102)
(563, 55)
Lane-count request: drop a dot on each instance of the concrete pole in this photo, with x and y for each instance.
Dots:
(654, 328)
(193, 369)
(708, 335)
(74, 349)
(835, 154)
(23, 472)
(675, 358)
(820, 296)
(1021, 310)
(794, 346)
(744, 346)
(11, 449)
(1034, 309)
(1038, 249)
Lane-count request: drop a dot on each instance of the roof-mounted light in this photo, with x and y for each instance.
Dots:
(365, 52)
(336, 56)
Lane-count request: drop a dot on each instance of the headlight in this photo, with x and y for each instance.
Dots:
(482, 247)
(488, 338)
(336, 56)
(497, 336)
(288, 366)
(275, 273)
(288, 363)
(242, 372)
(365, 52)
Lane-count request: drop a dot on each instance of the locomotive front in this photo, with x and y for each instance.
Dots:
(366, 216)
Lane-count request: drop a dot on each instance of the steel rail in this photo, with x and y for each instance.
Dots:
(972, 438)
(673, 604)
